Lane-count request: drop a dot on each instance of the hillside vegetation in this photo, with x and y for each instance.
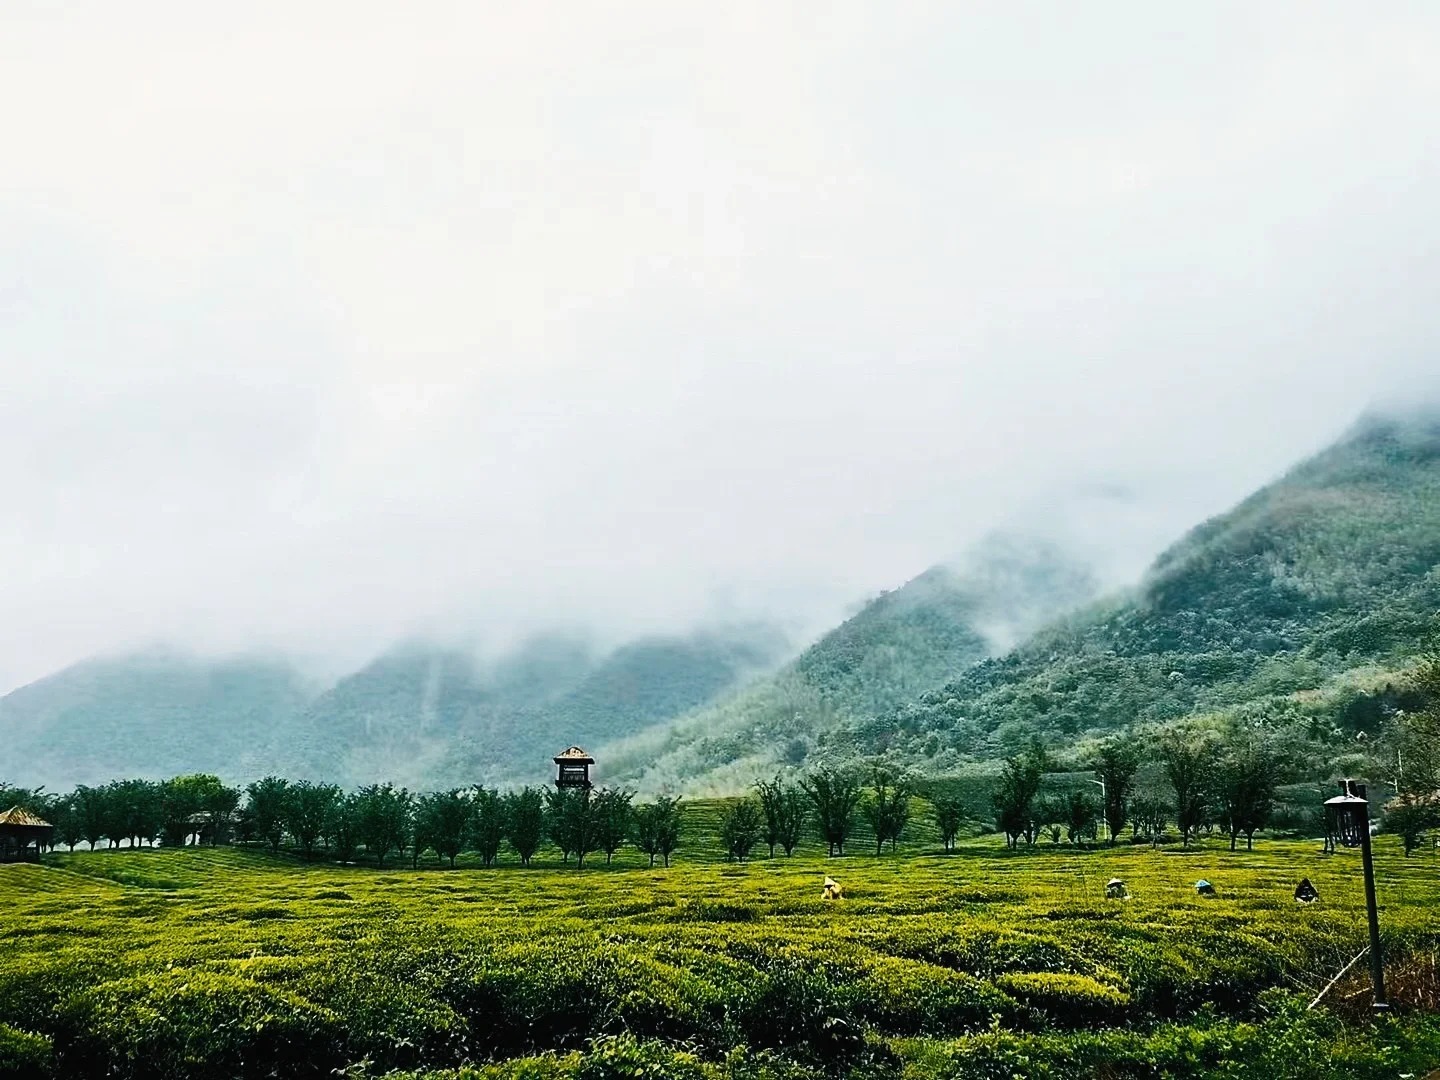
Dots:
(421, 714)
(1335, 567)
(1297, 611)
(898, 646)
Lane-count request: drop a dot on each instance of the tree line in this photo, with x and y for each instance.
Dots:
(377, 820)
(1225, 783)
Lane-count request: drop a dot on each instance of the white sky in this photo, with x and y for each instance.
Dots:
(324, 322)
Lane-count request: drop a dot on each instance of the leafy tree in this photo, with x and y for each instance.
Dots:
(307, 808)
(133, 811)
(571, 823)
(886, 808)
(1080, 814)
(657, 827)
(65, 816)
(834, 794)
(1187, 760)
(741, 828)
(184, 797)
(949, 816)
(783, 807)
(1050, 813)
(383, 819)
(611, 808)
(266, 804)
(1014, 798)
(90, 814)
(342, 827)
(1115, 766)
(1410, 817)
(487, 825)
(1246, 780)
(525, 822)
(771, 794)
(1149, 815)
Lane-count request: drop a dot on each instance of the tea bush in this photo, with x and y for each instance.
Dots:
(226, 963)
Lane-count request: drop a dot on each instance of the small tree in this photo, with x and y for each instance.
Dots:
(90, 814)
(571, 823)
(1410, 817)
(525, 822)
(771, 794)
(612, 820)
(1149, 815)
(1050, 813)
(1247, 779)
(887, 808)
(486, 813)
(68, 826)
(266, 804)
(342, 827)
(834, 795)
(741, 828)
(1020, 779)
(1186, 759)
(1080, 814)
(656, 826)
(949, 816)
(442, 820)
(307, 808)
(383, 819)
(1115, 766)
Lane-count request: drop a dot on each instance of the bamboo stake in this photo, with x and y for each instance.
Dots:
(1337, 978)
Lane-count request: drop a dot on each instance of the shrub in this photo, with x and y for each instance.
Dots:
(195, 1024)
(23, 1056)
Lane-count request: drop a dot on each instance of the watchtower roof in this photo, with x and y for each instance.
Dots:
(574, 756)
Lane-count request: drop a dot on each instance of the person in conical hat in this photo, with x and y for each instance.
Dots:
(831, 890)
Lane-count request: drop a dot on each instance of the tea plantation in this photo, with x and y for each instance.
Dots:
(985, 963)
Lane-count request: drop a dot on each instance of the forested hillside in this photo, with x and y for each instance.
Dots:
(895, 648)
(421, 715)
(153, 714)
(1333, 569)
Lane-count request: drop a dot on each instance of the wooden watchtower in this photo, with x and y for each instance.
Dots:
(572, 769)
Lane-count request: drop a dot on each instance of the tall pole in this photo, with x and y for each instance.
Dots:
(1377, 963)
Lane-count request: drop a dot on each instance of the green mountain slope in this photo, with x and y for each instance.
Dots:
(420, 715)
(154, 714)
(896, 647)
(428, 716)
(1333, 567)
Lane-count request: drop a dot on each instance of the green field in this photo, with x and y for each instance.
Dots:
(225, 962)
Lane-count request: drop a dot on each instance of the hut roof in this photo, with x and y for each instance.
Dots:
(574, 753)
(18, 816)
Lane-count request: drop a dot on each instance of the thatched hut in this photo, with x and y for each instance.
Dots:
(23, 835)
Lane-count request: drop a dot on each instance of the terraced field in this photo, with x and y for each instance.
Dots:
(218, 963)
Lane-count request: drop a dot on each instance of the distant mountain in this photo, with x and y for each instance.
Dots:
(431, 716)
(154, 714)
(898, 646)
(420, 715)
(1334, 567)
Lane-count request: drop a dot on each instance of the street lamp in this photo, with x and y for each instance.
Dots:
(1351, 811)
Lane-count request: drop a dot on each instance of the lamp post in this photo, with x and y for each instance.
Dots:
(1352, 828)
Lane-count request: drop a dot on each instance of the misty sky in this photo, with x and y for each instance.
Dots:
(325, 323)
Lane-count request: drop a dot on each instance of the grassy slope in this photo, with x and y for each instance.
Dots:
(134, 961)
(1333, 569)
